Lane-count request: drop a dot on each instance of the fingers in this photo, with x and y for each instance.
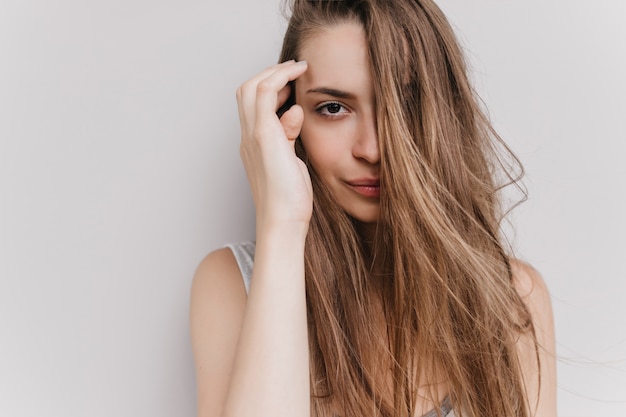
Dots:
(260, 97)
(267, 89)
(246, 93)
(248, 88)
(292, 121)
(283, 95)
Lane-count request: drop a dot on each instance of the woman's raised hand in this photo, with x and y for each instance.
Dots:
(280, 182)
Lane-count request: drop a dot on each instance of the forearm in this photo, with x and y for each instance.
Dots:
(271, 372)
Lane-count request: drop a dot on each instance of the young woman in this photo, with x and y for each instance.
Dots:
(381, 285)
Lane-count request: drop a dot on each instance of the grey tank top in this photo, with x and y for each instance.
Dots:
(244, 255)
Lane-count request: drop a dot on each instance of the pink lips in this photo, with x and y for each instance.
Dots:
(368, 187)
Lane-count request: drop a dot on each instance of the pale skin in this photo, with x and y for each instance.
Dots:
(251, 351)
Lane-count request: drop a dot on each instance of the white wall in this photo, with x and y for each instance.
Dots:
(119, 171)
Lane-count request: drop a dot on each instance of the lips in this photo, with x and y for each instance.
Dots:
(368, 187)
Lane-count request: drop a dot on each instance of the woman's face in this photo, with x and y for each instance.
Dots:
(339, 130)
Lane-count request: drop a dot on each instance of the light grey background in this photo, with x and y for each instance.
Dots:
(119, 171)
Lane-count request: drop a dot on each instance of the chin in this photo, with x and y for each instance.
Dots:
(365, 217)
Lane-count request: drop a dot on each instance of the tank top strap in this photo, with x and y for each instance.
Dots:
(445, 409)
(244, 255)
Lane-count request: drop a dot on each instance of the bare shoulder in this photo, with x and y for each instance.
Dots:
(533, 291)
(217, 305)
(529, 283)
(539, 376)
(217, 285)
(218, 267)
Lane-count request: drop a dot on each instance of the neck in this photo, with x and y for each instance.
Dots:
(367, 233)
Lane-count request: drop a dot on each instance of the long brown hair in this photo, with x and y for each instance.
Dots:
(443, 280)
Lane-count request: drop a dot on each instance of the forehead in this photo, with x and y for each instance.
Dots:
(337, 57)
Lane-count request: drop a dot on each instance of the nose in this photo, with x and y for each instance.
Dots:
(366, 143)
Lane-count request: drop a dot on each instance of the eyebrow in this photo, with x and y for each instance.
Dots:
(331, 92)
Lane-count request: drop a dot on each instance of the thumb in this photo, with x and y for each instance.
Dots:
(292, 121)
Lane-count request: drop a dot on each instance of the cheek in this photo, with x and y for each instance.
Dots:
(324, 147)
(323, 158)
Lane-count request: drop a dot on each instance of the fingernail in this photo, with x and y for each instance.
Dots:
(301, 62)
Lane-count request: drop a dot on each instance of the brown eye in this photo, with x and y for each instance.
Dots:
(333, 107)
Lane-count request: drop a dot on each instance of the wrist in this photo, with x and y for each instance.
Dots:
(289, 231)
